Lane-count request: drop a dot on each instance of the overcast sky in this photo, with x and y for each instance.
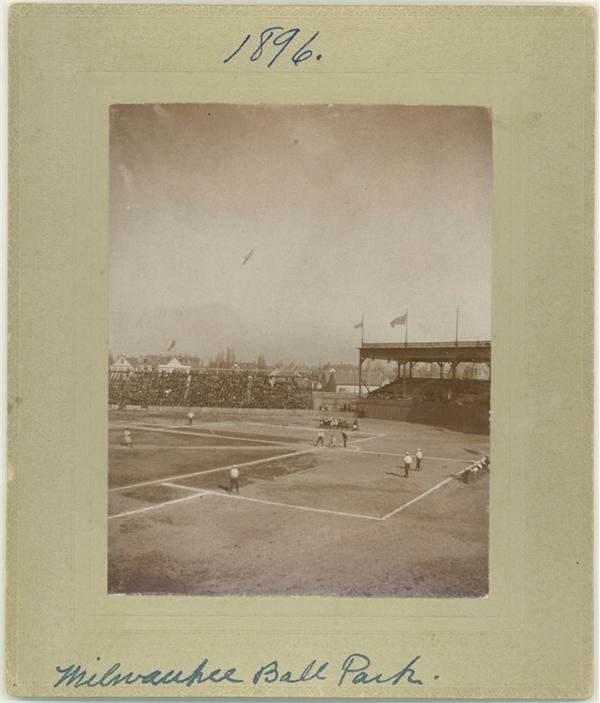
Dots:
(348, 209)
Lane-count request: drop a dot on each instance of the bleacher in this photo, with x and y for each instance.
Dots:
(279, 392)
(233, 389)
(117, 382)
(226, 389)
(145, 388)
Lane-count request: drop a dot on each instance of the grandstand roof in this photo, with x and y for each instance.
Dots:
(427, 351)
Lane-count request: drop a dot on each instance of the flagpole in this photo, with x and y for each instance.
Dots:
(362, 331)
(404, 365)
(359, 374)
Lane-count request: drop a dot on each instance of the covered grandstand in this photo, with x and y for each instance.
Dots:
(444, 397)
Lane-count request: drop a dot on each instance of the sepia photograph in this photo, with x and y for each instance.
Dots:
(299, 353)
(295, 234)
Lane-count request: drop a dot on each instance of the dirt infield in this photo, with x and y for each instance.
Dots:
(307, 521)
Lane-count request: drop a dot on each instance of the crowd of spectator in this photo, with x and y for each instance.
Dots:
(441, 390)
(279, 392)
(225, 389)
(233, 389)
(145, 389)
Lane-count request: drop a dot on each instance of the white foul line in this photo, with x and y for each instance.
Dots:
(296, 507)
(367, 439)
(208, 471)
(414, 500)
(155, 447)
(149, 428)
(184, 488)
(155, 507)
(443, 458)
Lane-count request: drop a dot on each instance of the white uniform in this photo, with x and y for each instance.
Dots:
(234, 474)
(419, 457)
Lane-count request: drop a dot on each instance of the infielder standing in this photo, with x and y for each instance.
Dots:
(419, 457)
(234, 475)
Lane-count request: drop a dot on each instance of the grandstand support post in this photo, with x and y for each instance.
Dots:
(360, 361)
(404, 380)
(454, 381)
(441, 364)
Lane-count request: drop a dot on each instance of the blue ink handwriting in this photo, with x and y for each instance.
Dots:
(356, 669)
(279, 38)
(113, 676)
(271, 673)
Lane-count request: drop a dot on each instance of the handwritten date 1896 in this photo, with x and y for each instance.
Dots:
(279, 38)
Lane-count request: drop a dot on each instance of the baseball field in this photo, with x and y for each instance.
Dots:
(308, 520)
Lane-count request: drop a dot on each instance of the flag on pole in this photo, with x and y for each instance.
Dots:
(361, 326)
(171, 346)
(400, 320)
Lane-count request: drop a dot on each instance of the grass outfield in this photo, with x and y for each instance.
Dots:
(308, 520)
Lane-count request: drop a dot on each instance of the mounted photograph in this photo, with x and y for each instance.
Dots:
(299, 352)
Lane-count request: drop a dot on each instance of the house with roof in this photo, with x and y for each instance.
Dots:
(174, 365)
(122, 363)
